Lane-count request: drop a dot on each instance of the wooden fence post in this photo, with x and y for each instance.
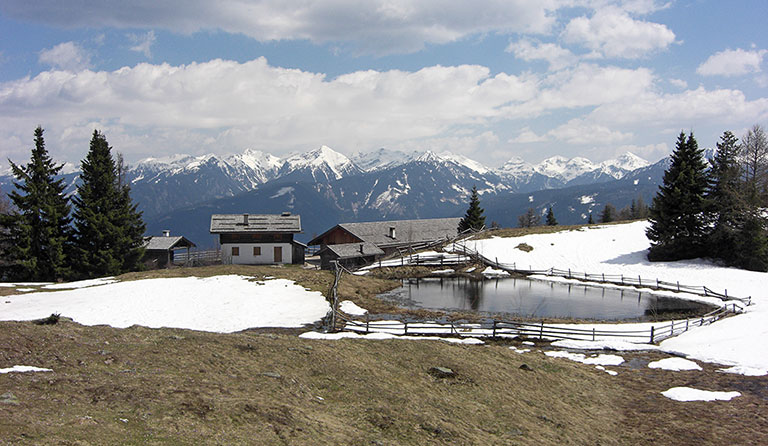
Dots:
(367, 322)
(593, 334)
(651, 334)
(494, 328)
(541, 331)
(405, 328)
(640, 280)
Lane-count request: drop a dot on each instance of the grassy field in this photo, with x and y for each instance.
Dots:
(173, 386)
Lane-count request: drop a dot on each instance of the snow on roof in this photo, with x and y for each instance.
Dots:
(251, 223)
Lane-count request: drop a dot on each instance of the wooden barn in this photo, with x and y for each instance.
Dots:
(159, 250)
(258, 239)
(355, 244)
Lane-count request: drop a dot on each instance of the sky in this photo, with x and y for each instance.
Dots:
(487, 79)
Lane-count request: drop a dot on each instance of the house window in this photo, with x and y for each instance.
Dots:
(235, 251)
(257, 250)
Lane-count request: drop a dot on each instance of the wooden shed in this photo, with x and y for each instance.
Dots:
(159, 250)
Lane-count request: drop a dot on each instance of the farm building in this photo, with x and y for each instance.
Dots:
(257, 239)
(159, 250)
(354, 244)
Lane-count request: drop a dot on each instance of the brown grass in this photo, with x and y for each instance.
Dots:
(171, 386)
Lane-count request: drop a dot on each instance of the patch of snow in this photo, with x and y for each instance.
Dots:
(283, 191)
(385, 336)
(350, 307)
(80, 284)
(218, 304)
(610, 372)
(690, 394)
(23, 369)
(635, 182)
(528, 343)
(530, 198)
(586, 199)
(611, 344)
(674, 364)
(746, 371)
(25, 290)
(492, 272)
(444, 271)
(601, 359)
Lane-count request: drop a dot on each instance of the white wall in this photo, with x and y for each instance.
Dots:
(246, 256)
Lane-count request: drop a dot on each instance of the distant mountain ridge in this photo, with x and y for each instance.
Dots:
(384, 184)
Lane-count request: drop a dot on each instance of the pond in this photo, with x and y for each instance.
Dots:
(538, 299)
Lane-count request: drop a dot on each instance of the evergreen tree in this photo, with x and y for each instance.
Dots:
(678, 226)
(724, 204)
(474, 218)
(751, 247)
(108, 226)
(530, 219)
(551, 221)
(754, 160)
(591, 221)
(609, 214)
(37, 235)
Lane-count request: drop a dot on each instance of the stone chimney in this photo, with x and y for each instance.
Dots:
(245, 219)
(392, 232)
(167, 233)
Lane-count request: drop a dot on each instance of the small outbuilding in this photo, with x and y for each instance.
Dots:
(258, 239)
(355, 244)
(159, 250)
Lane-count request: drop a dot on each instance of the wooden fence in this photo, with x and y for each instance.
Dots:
(508, 328)
(616, 279)
(195, 258)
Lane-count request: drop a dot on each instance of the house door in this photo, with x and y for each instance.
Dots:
(278, 254)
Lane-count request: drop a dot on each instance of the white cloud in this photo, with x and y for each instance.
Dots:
(557, 56)
(527, 136)
(218, 103)
(143, 43)
(577, 131)
(612, 33)
(683, 110)
(66, 56)
(679, 83)
(732, 63)
(374, 26)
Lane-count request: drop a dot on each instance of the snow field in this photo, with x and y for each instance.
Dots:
(217, 304)
(621, 249)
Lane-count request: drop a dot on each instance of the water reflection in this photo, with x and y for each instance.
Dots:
(531, 298)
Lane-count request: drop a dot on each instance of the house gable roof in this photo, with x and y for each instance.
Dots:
(406, 231)
(352, 250)
(163, 243)
(255, 223)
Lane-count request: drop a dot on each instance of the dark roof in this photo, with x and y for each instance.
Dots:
(352, 250)
(406, 231)
(251, 223)
(163, 243)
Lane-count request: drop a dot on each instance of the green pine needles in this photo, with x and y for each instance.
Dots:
(38, 235)
(474, 218)
(40, 243)
(108, 226)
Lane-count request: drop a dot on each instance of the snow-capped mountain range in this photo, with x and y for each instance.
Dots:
(386, 180)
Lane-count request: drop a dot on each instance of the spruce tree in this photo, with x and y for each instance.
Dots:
(724, 204)
(678, 226)
(530, 219)
(108, 226)
(37, 235)
(551, 221)
(591, 221)
(609, 214)
(474, 218)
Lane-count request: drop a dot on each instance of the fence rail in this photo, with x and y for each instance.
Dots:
(616, 279)
(542, 330)
(197, 257)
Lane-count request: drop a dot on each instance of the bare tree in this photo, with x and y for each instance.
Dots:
(754, 160)
(529, 219)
